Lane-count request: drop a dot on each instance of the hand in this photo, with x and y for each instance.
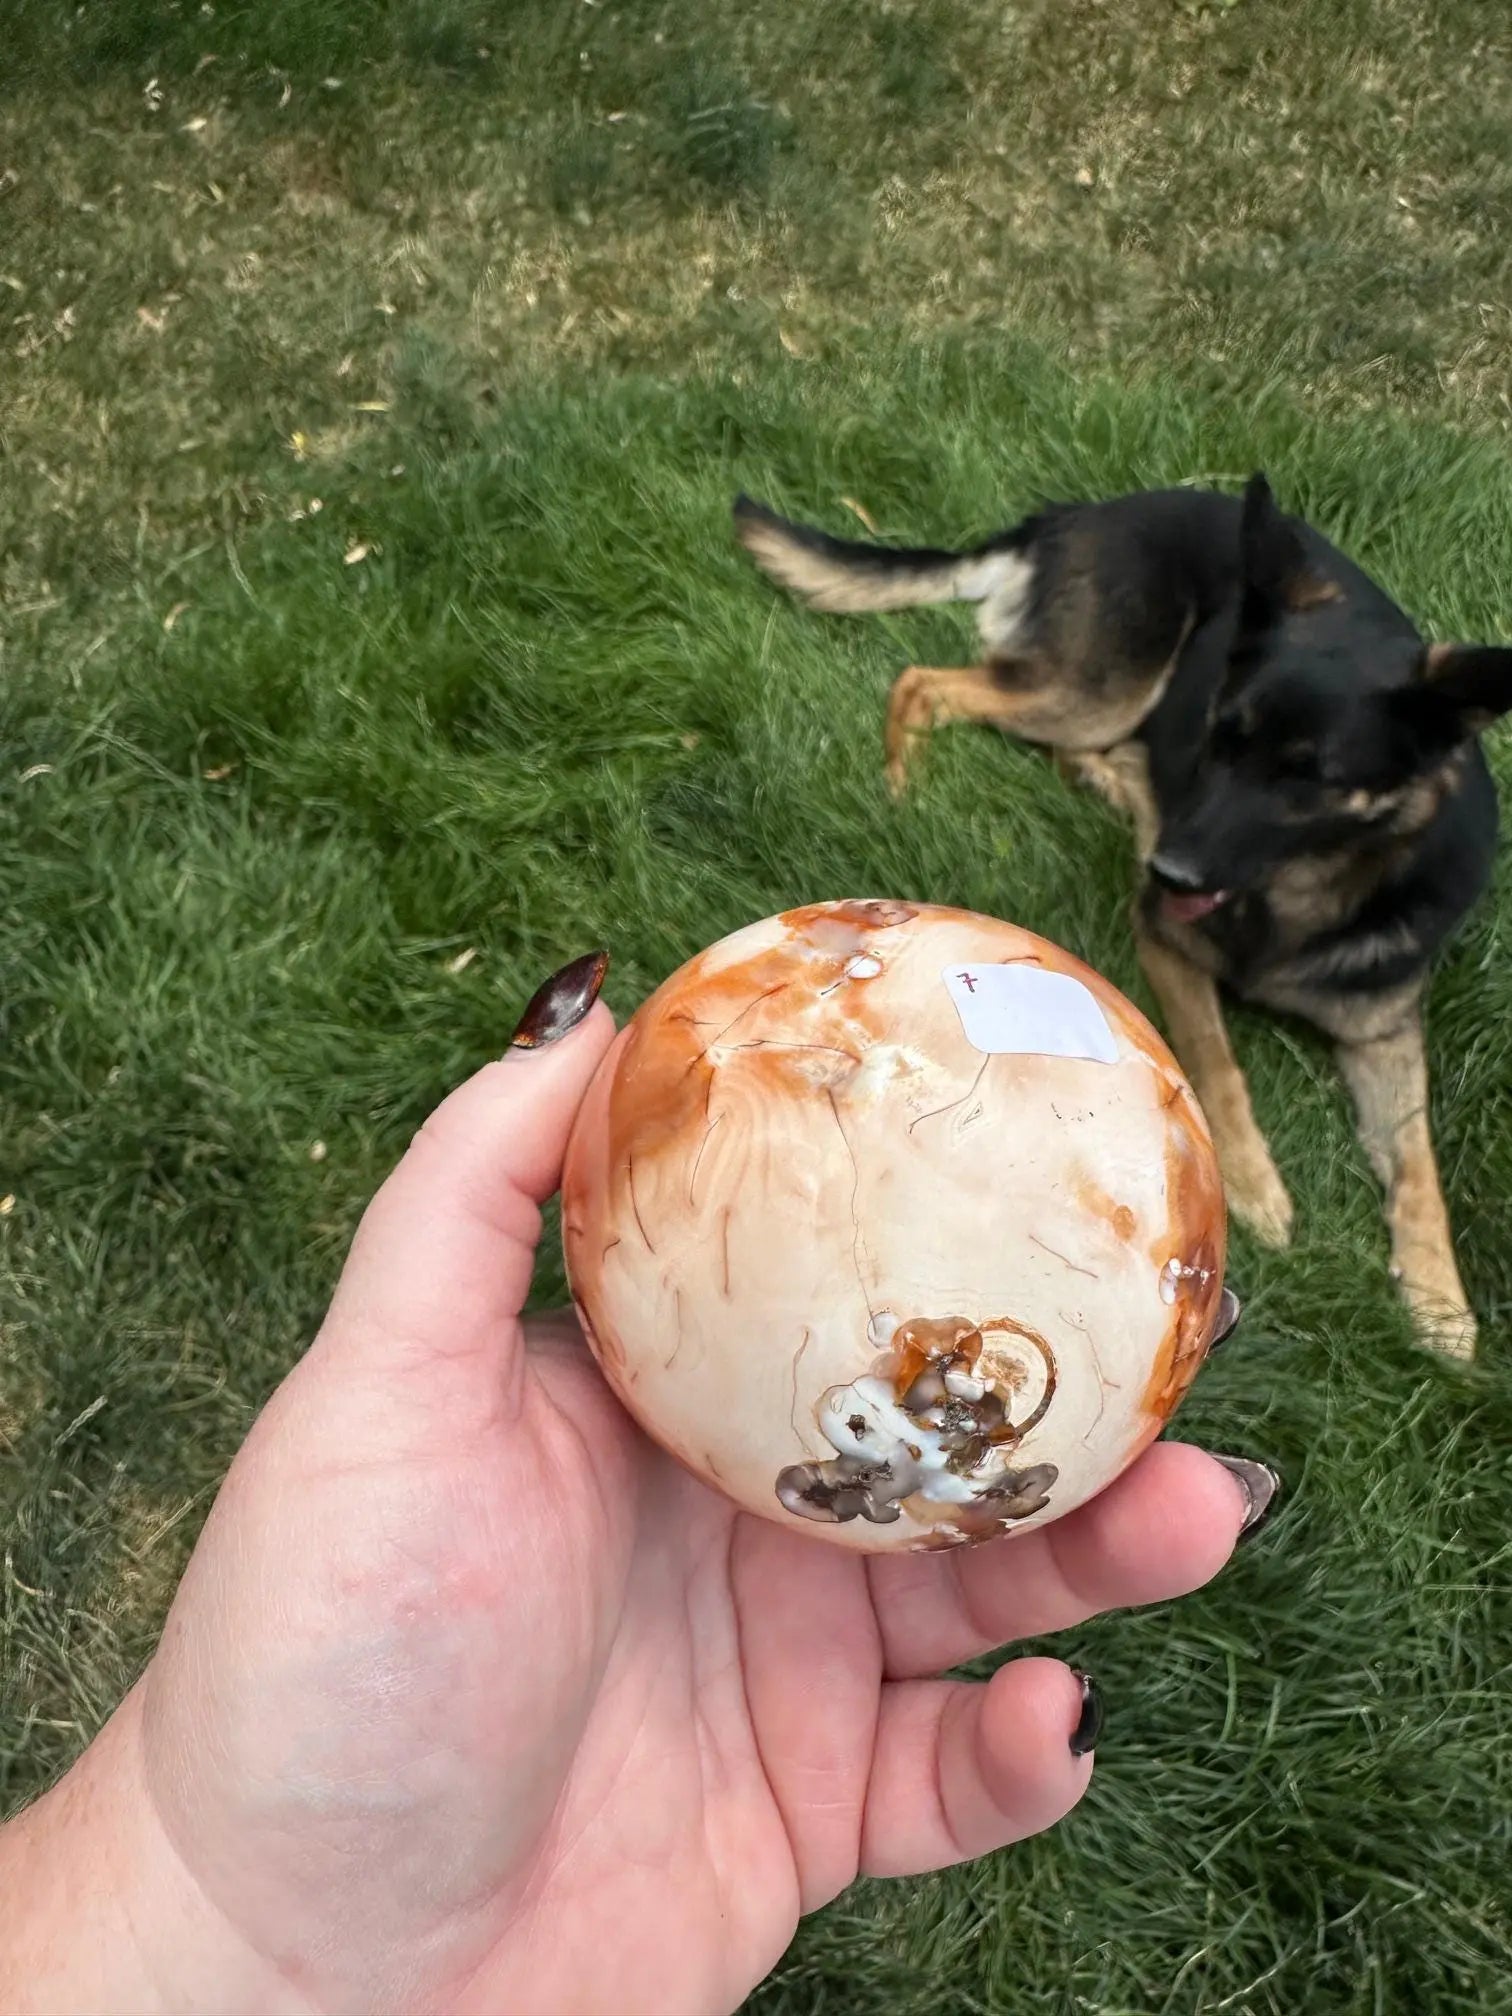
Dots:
(471, 1700)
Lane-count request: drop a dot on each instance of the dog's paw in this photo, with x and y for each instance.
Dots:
(1258, 1198)
(1440, 1312)
(910, 716)
(896, 774)
(1083, 771)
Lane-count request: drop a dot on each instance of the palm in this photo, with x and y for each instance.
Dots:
(532, 1634)
(683, 1829)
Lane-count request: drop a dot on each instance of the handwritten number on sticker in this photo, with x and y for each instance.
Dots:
(1017, 1009)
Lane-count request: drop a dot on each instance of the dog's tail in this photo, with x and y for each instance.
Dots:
(846, 576)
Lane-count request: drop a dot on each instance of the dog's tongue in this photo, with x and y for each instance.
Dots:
(1187, 909)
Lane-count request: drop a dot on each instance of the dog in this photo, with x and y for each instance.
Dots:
(1311, 807)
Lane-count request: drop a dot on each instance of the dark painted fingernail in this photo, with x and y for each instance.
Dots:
(1230, 1309)
(1089, 1723)
(561, 1002)
(1261, 1486)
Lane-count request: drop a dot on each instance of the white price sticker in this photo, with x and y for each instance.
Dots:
(1024, 1011)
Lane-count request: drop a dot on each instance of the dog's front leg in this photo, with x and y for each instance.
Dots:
(1008, 694)
(926, 697)
(1193, 1016)
(1388, 1078)
(1120, 776)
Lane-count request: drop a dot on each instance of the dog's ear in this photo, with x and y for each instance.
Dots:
(1459, 690)
(1276, 573)
(1471, 681)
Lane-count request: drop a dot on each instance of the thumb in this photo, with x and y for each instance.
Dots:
(442, 1260)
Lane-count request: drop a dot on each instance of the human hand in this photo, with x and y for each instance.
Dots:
(472, 1700)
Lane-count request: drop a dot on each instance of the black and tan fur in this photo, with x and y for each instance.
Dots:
(1311, 807)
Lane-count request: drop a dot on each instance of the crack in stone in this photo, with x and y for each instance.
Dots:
(765, 995)
(855, 1192)
(698, 1158)
(1090, 1274)
(808, 1338)
(634, 1204)
(677, 1319)
(777, 1043)
(935, 1113)
(1104, 1384)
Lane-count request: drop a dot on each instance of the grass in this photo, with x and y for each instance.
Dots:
(260, 796)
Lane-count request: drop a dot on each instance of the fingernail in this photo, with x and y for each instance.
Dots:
(1230, 1309)
(561, 1002)
(1089, 1723)
(1261, 1486)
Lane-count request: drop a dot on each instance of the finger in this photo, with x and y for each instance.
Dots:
(445, 1250)
(1162, 1529)
(960, 1768)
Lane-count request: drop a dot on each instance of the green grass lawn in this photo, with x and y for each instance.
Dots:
(374, 380)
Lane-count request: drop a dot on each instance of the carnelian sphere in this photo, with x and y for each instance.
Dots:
(896, 1224)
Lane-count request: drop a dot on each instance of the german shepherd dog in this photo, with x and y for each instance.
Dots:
(1311, 807)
